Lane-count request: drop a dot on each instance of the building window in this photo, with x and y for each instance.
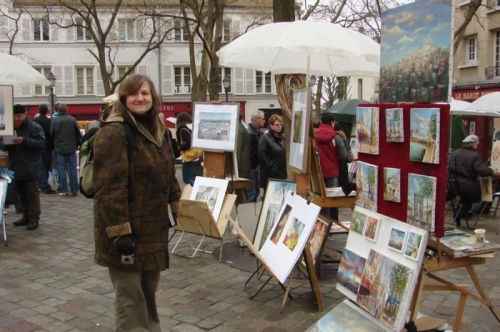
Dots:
(41, 29)
(180, 32)
(126, 30)
(226, 31)
(123, 69)
(360, 88)
(82, 31)
(182, 79)
(85, 80)
(262, 82)
(224, 72)
(472, 50)
(43, 90)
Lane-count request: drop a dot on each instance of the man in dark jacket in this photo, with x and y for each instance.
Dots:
(67, 138)
(46, 165)
(242, 150)
(254, 134)
(24, 160)
(465, 167)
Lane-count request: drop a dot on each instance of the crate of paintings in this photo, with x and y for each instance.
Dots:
(380, 265)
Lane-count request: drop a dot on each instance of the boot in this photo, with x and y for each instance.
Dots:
(32, 225)
(21, 222)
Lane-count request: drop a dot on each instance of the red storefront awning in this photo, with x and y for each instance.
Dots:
(471, 95)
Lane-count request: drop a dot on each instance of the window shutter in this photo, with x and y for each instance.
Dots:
(68, 81)
(167, 81)
(70, 31)
(59, 74)
(239, 86)
(54, 33)
(249, 81)
(140, 26)
(235, 29)
(4, 27)
(100, 85)
(143, 70)
(26, 91)
(26, 29)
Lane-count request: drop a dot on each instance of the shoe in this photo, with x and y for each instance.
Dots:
(20, 222)
(72, 194)
(63, 194)
(49, 192)
(32, 225)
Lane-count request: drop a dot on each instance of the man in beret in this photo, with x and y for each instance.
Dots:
(25, 156)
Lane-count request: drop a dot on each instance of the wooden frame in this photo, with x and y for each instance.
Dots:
(6, 110)
(224, 117)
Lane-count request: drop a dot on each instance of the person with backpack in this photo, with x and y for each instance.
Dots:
(135, 193)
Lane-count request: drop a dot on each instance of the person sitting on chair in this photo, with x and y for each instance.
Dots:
(465, 165)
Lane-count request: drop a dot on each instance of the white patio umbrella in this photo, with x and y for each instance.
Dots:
(14, 71)
(304, 47)
(489, 102)
(111, 99)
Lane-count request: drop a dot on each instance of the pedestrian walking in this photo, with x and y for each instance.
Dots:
(44, 120)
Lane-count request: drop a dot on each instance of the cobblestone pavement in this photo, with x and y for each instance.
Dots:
(49, 282)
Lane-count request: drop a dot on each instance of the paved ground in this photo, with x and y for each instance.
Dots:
(49, 282)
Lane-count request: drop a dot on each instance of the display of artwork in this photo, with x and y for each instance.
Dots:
(458, 243)
(317, 238)
(421, 201)
(495, 155)
(397, 239)
(301, 111)
(211, 191)
(367, 129)
(394, 125)
(358, 220)
(273, 201)
(371, 227)
(367, 185)
(383, 287)
(486, 189)
(415, 53)
(413, 245)
(287, 239)
(424, 135)
(6, 107)
(215, 126)
(392, 184)
(350, 270)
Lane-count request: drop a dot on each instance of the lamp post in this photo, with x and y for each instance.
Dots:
(227, 84)
(52, 80)
(312, 80)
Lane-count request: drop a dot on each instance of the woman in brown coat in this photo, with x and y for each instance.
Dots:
(131, 203)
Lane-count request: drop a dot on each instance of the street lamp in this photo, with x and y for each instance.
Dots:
(52, 80)
(312, 80)
(227, 84)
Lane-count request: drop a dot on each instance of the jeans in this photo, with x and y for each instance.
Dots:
(188, 172)
(332, 212)
(254, 190)
(45, 167)
(67, 161)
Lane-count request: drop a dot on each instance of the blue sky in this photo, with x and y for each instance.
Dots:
(404, 29)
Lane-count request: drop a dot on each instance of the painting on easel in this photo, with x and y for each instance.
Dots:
(215, 126)
(300, 129)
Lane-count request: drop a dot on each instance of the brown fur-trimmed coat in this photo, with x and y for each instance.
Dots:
(141, 207)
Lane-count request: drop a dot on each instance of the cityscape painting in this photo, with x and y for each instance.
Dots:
(367, 129)
(421, 201)
(424, 135)
(415, 52)
(394, 126)
(212, 191)
(392, 184)
(215, 126)
(413, 245)
(367, 185)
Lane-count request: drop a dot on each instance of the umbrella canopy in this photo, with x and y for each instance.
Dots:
(458, 105)
(14, 71)
(489, 103)
(304, 47)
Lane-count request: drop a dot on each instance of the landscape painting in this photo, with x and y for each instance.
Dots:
(383, 287)
(424, 135)
(215, 126)
(421, 201)
(350, 271)
(367, 185)
(394, 125)
(358, 220)
(415, 53)
(397, 239)
(367, 129)
(392, 184)
(413, 245)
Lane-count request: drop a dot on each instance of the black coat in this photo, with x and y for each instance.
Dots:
(254, 135)
(65, 133)
(272, 158)
(44, 122)
(465, 166)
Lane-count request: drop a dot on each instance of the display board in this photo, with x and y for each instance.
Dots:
(396, 155)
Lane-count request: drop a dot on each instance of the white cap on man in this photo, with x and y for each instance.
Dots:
(471, 139)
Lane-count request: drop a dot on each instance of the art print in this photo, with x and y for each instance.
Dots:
(413, 245)
(282, 220)
(276, 192)
(358, 220)
(424, 135)
(371, 228)
(293, 234)
(318, 238)
(367, 129)
(421, 201)
(495, 155)
(367, 185)
(486, 189)
(212, 191)
(396, 239)
(392, 184)
(301, 111)
(215, 126)
(350, 271)
(415, 53)
(394, 125)
(383, 288)
(6, 110)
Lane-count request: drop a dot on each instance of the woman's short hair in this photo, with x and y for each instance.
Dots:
(183, 119)
(275, 117)
(132, 84)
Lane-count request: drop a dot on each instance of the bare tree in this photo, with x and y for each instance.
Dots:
(12, 31)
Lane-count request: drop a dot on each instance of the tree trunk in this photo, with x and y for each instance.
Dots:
(283, 10)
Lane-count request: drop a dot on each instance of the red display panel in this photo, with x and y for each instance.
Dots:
(397, 155)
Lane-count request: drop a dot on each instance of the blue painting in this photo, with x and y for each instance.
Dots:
(424, 135)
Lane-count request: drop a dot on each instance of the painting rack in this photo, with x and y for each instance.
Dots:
(262, 267)
(195, 218)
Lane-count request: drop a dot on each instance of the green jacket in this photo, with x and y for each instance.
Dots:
(140, 207)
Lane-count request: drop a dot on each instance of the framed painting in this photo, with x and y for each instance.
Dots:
(367, 129)
(367, 185)
(276, 192)
(301, 112)
(424, 135)
(6, 110)
(215, 126)
(413, 245)
(486, 189)
(495, 154)
(421, 208)
(212, 191)
(392, 184)
(318, 237)
(397, 239)
(358, 220)
(371, 228)
(394, 125)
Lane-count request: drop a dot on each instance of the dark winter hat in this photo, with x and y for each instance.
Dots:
(19, 109)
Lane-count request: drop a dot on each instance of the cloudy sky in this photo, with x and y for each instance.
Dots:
(404, 29)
